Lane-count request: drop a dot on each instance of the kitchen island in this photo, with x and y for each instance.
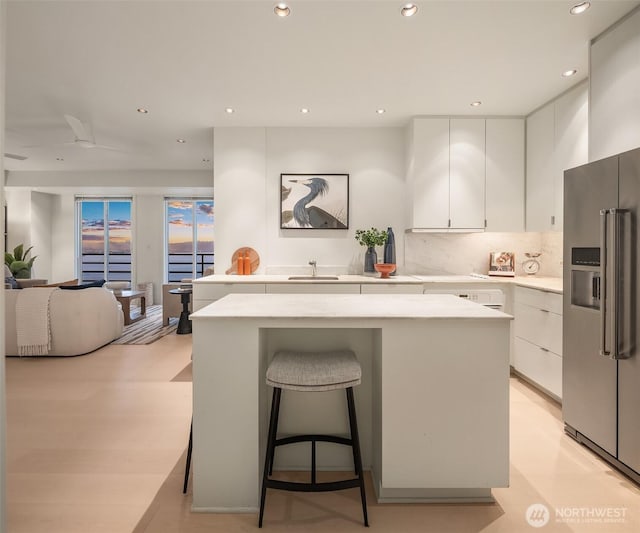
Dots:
(432, 406)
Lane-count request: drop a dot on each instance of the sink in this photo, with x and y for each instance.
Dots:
(313, 278)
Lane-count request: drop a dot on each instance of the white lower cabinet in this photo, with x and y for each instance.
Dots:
(313, 288)
(204, 294)
(538, 338)
(391, 288)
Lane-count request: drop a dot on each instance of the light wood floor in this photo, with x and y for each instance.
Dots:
(96, 444)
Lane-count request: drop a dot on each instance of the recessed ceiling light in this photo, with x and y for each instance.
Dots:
(569, 73)
(142, 110)
(476, 103)
(282, 10)
(580, 8)
(381, 111)
(229, 110)
(304, 110)
(181, 141)
(408, 10)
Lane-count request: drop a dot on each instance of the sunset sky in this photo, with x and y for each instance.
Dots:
(180, 216)
(93, 227)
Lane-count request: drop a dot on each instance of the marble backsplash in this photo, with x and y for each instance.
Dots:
(463, 253)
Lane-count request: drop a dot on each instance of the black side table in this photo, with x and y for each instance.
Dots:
(184, 324)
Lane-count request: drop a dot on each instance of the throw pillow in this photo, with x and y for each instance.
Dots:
(60, 284)
(80, 286)
(11, 283)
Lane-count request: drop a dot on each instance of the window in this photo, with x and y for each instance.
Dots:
(104, 250)
(189, 237)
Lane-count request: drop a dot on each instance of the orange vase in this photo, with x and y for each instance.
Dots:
(240, 265)
(247, 264)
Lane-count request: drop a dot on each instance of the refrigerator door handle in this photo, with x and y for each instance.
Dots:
(609, 282)
(615, 245)
(604, 283)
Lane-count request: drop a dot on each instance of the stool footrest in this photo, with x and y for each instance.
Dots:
(313, 487)
(313, 438)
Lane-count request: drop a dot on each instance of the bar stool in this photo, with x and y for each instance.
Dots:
(313, 372)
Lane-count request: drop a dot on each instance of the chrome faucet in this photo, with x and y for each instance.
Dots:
(314, 268)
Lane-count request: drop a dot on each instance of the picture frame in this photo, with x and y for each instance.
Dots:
(314, 201)
(502, 264)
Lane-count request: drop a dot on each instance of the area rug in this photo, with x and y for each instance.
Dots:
(148, 329)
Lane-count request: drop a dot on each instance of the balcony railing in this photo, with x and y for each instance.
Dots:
(180, 265)
(118, 267)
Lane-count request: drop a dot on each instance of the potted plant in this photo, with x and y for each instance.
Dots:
(371, 238)
(17, 262)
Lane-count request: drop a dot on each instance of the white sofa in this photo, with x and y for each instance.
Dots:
(81, 320)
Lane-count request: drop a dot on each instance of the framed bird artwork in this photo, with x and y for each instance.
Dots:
(314, 201)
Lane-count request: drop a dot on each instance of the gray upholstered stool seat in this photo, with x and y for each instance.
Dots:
(314, 371)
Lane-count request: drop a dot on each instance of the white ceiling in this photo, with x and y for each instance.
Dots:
(186, 61)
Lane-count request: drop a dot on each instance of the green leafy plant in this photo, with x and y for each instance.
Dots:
(371, 237)
(17, 262)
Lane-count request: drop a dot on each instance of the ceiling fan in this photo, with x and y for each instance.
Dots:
(15, 156)
(83, 136)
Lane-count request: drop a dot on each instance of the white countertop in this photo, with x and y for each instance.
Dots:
(283, 278)
(534, 282)
(342, 306)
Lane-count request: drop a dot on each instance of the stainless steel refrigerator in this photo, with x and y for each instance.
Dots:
(601, 318)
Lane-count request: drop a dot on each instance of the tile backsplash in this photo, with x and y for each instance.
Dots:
(463, 253)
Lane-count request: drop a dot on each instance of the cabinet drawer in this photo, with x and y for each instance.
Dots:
(313, 288)
(390, 288)
(211, 292)
(538, 326)
(540, 366)
(550, 301)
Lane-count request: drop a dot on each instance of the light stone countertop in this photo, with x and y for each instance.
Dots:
(282, 278)
(343, 306)
(533, 282)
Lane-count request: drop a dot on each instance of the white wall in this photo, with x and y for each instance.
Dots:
(41, 212)
(148, 241)
(62, 238)
(247, 167)
(614, 107)
(18, 217)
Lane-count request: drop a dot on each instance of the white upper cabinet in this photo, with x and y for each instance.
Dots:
(430, 176)
(540, 148)
(464, 172)
(505, 174)
(572, 141)
(557, 139)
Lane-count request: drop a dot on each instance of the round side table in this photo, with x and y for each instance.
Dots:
(184, 324)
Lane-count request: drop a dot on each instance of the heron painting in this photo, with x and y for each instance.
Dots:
(314, 201)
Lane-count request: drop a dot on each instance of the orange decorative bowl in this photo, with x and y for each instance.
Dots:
(384, 268)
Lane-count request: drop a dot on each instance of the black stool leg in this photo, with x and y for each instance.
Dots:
(271, 444)
(273, 452)
(188, 466)
(353, 423)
